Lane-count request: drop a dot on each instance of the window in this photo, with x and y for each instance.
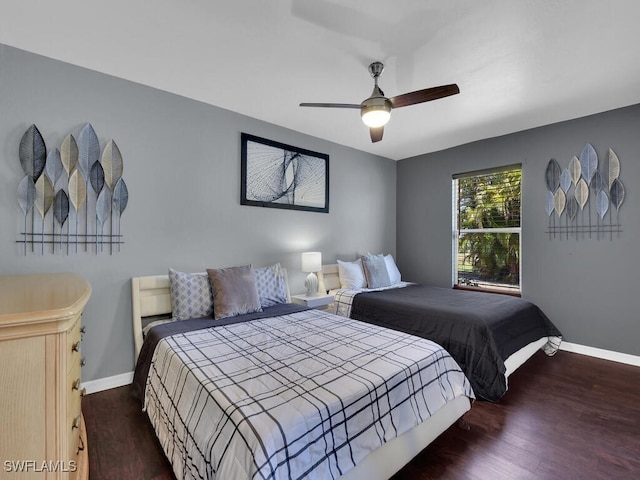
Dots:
(486, 243)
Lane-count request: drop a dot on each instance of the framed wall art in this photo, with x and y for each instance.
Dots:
(276, 175)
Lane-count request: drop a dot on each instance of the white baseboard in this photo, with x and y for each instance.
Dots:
(101, 384)
(600, 353)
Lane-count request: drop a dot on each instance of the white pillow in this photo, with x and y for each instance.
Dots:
(351, 275)
(392, 269)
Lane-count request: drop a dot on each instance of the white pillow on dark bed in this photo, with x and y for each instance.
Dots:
(351, 275)
(392, 269)
(191, 295)
(375, 271)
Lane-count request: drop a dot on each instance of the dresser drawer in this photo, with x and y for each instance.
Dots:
(76, 447)
(73, 390)
(78, 453)
(73, 345)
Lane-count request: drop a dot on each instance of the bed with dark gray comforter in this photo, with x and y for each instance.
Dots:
(480, 330)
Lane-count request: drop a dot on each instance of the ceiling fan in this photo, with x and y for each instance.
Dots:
(376, 110)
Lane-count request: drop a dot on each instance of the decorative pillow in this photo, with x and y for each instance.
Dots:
(375, 270)
(271, 285)
(351, 275)
(191, 295)
(392, 269)
(234, 291)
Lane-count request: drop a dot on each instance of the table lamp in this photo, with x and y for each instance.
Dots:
(311, 262)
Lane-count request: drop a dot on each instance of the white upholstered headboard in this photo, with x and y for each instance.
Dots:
(151, 297)
(331, 277)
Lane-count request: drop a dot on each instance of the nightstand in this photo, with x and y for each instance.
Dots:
(320, 302)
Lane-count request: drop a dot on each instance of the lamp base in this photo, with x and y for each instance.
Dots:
(311, 282)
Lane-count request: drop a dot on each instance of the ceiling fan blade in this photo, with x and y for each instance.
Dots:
(376, 133)
(332, 105)
(426, 95)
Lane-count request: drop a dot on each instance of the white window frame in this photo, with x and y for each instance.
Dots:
(455, 231)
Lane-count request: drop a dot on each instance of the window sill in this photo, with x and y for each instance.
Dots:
(489, 290)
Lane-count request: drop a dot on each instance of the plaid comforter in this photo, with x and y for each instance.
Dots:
(303, 395)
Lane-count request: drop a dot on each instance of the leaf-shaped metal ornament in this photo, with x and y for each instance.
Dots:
(549, 201)
(119, 203)
(61, 207)
(582, 193)
(617, 193)
(552, 175)
(78, 196)
(61, 213)
(88, 148)
(44, 200)
(32, 153)
(120, 197)
(575, 170)
(77, 189)
(26, 194)
(572, 208)
(103, 208)
(588, 162)
(613, 170)
(97, 177)
(69, 154)
(44, 195)
(26, 200)
(602, 204)
(53, 168)
(559, 201)
(565, 180)
(112, 164)
(598, 182)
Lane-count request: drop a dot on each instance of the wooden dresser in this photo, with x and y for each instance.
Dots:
(41, 426)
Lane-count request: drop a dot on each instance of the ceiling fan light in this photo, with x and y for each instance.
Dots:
(375, 115)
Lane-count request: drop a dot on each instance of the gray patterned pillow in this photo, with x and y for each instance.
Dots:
(234, 291)
(191, 295)
(375, 269)
(272, 288)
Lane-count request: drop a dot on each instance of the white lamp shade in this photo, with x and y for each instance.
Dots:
(311, 261)
(376, 117)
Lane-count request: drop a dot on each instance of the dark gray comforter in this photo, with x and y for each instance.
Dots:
(480, 330)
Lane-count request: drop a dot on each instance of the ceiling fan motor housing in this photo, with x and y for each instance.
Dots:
(376, 110)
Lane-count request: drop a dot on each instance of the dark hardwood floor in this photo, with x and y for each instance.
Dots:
(565, 417)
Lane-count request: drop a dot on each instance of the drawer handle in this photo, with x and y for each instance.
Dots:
(76, 384)
(81, 446)
(83, 329)
(76, 423)
(76, 346)
(83, 362)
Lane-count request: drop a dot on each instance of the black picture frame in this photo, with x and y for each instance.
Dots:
(276, 175)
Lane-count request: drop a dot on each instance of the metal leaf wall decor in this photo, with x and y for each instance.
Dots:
(570, 193)
(81, 186)
(88, 154)
(32, 152)
(69, 154)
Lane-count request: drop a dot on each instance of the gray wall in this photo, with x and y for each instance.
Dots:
(588, 287)
(182, 167)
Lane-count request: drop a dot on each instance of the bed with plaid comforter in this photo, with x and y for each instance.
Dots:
(298, 395)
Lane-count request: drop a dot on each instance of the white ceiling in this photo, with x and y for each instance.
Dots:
(518, 63)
